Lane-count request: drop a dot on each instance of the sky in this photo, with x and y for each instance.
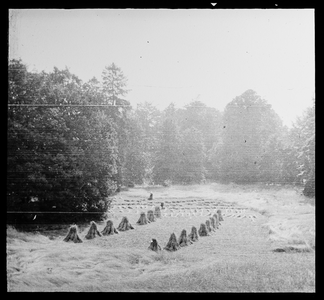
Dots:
(168, 55)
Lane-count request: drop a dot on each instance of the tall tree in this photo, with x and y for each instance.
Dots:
(249, 122)
(166, 166)
(208, 121)
(147, 118)
(135, 157)
(303, 144)
(205, 119)
(114, 85)
(64, 156)
(192, 157)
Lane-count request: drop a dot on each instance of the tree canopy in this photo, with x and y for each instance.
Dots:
(67, 152)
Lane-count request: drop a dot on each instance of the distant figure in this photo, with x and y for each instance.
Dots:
(151, 197)
(162, 205)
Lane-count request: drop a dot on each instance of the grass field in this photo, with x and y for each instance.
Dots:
(266, 243)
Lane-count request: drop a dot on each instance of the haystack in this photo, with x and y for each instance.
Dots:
(193, 236)
(73, 235)
(183, 240)
(202, 230)
(109, 229)
(213, 223)
(216, 217)
(150, 216)
(142, 220)
(219, 212)
(93, 231)
(124, 225)
(208, 226)
(172, 244)
(157, 212)
(154, 245)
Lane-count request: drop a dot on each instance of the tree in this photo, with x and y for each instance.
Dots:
(248, 124)
(166, 166)
(113, 88)
(192, 157)
(62, 157)
(147, 119)
(208, 121)
(303, 149)
(114, 84)
(134, 168)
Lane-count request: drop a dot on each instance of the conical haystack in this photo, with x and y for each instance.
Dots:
(73, 235)
(183, 240)
(157, 212)
(216, 217)
(208, 226)
(172, 244)
(150, 216)
(142, 220)
(212, 223)
(124, 225)
(202, 230)
(193, 236)
(93, 231)
(154, 245)
(109, 229)
(219, 212)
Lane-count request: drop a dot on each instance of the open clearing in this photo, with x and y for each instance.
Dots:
(265, 243)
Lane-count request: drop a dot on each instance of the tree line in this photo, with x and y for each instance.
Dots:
(70, 144)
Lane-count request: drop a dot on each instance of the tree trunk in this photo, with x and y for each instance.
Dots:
(219, 212)
(109, 229)
(183, 240)
(73, 235)
(93, 231)
(208, 226)
(154, 245)
(172, 245)
(124, 225)
(142, 220)
(150, 216)
(202, 230)
(157, 212)
(193, 236)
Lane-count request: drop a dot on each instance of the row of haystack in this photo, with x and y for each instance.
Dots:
(110, 229)
(150, 217)
(205, 229)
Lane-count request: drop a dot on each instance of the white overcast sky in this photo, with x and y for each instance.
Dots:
(178, 55)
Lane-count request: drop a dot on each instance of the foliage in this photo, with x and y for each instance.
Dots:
(192, 157)
(72, 156)
(166, 165)
(249, 125)
(143, 142)
(62, 157)
(113, 87)
(303, 137)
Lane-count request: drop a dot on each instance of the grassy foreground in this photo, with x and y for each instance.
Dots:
(238, 257)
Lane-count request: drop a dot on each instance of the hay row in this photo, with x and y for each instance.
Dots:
(110, 229)
(205, 229)
(173, 244)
